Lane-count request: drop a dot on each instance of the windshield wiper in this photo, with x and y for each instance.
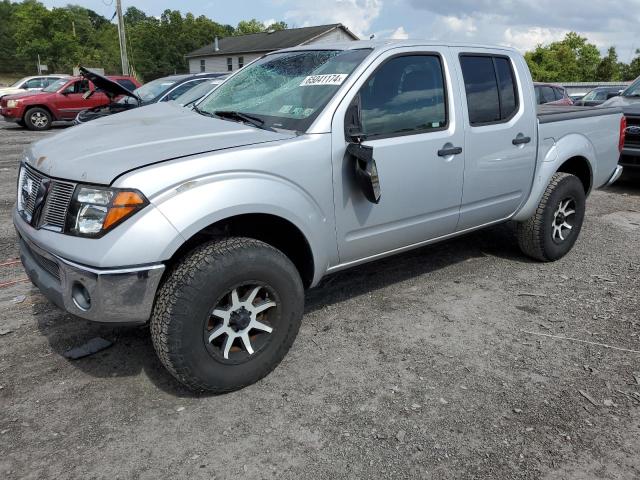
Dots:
(243, 117)
(202, 112)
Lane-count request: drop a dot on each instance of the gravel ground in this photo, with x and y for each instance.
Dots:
(439, 363)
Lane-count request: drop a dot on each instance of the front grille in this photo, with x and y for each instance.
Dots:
(46, 264)
(56, 202)
(632, 140)
(28, 186)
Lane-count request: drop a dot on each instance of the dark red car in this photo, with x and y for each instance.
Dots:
(551, 94)
(61, 100)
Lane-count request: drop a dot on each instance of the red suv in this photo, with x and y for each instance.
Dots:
(61, 100)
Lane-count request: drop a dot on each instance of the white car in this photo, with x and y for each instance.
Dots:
(30, 84)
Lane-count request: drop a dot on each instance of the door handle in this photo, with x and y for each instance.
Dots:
(445, 152)
(521, 140)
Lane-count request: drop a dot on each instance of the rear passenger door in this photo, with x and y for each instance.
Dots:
(500, 141)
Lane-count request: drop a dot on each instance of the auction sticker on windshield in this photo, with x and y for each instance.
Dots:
(330, 79)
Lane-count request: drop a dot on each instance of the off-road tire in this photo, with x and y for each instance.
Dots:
(535, 234)
(31, 124)
(188, 294)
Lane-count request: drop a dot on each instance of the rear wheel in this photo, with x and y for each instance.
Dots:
(37, 119)
(553, 230)
(227, 314)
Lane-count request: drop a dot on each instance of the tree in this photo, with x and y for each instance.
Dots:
(572, 59)
(246, 27)
(632, 70)
(609, 69)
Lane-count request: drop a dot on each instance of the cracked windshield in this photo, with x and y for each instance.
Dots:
(284, 90)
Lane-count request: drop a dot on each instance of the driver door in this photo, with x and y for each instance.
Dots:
(71, 99)
(411, 120)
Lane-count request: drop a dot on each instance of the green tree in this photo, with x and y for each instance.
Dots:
(572, 59)
(631, 71)
(609, 69)
(246, 27)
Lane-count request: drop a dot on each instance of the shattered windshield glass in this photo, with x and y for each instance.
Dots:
(284, 90)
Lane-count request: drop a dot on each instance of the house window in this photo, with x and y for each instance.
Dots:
(229, 64)
(202, 65)
(240, 62)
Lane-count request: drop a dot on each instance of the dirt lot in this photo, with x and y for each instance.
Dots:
(439, 363)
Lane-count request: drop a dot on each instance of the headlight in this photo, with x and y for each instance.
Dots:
(94, 211)
(12, 103)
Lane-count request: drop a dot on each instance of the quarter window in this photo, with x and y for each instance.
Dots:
(405, 95)
(490, 85)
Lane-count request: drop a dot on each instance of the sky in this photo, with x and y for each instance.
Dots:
(518, 23)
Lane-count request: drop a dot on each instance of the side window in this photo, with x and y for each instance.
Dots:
(492, 94)
(559, 93)
(180, 89)
(481, 85)
(405, 95)
(547, 94)
(34, 83)
(508, 89)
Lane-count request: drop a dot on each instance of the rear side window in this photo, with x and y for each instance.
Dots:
(126, 83)
(559, 93)
(547, 94)
(492, 94)
(405, 95)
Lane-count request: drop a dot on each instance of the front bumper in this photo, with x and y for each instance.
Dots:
(116, 296)
(11, 114)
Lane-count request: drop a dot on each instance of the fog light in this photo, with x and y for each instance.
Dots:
(80, 296)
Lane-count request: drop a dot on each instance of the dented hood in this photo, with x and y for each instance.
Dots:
(101, 150)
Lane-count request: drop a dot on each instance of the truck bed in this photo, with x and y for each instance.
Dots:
(558, 113)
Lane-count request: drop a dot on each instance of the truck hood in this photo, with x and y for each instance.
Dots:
(101, 150)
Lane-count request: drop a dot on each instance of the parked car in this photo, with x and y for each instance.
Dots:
(598, 96)
(210, 223)
(629, 101)
(62, 100)
(160, 90)
(192, 96)
(547, 93)
(30, 84)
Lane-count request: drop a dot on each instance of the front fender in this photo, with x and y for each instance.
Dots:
(197, 204)
(556, 154)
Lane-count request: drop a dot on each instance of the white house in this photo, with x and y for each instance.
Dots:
(231, 53)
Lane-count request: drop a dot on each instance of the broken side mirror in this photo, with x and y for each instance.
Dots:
(366, 171)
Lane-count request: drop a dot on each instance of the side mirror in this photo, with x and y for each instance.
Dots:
(366, 171)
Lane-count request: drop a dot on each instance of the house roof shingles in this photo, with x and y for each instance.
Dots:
(266, 41)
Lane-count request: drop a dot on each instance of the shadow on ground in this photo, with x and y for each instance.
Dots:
(133, 351)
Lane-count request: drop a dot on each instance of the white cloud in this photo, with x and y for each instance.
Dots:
(464, 25)
(527, 38)
(269, 21)
(357, 15)
(399, 34)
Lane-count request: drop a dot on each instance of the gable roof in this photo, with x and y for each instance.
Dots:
(267, 41)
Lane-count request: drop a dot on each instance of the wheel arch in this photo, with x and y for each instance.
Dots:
(44, 107)
(272, 229)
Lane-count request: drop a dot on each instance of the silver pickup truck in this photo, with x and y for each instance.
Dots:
(211, 223)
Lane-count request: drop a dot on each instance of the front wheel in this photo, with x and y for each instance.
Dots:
(227, 314)
(37, 119)
(554, 228)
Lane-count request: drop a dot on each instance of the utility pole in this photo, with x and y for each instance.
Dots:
(123, 39)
